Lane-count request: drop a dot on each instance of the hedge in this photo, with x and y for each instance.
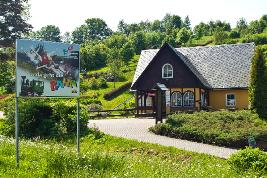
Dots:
(223, 128)
(112, 94)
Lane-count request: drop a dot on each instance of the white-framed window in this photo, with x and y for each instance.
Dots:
(188, 99)
(176, 99)
(167, 71)
(230, 99)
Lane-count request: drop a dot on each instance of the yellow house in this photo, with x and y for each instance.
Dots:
(194, 78)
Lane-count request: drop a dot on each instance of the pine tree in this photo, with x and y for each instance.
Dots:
(258, 84)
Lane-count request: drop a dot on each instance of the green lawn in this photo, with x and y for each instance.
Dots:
(128, 72)
(106, 156)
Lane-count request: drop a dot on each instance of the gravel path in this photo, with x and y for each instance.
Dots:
(137, 129)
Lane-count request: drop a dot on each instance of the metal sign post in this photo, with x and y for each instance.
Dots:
(46, 69)
(78, 125)
(17, 132)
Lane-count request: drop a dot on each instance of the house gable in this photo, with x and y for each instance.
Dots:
(183, 77)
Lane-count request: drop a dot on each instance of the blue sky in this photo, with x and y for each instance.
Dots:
(68, 15)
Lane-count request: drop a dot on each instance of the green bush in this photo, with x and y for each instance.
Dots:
(224, 128)
(249, 159)
(45, 118)
(93, 84)
(256, 38)
(94, 107)
(7, 76)
(102, 82)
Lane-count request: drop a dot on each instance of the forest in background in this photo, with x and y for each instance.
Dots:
(109, 58)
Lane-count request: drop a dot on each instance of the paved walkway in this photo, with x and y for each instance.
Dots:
(137, 129)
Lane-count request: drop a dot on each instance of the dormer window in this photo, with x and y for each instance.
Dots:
(167, 71)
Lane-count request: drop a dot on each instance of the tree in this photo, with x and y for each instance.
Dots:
(123, 27)
(153, 39)
(183, 36)
(79, 35)
(116, 41)
(115, 66)
(127, 51)
(258, 80)
(256, 26)
(97, 29)
(220, 36)
(66, 38)
(138, 40)
(170, 38)
(48, 33)
(241, 26)
(218, 25)
(187, 23)
(171, 22)
(157, 26)
(263, 20)
(13, 17)
(201, 29)
(94, 29)
(94, 56)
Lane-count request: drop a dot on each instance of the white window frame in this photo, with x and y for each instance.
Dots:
(162, 71)
(226, 100)
(185, 101)
(176, 93)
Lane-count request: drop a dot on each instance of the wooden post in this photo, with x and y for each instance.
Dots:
(137, 103)
(145, 96)
(159, 107)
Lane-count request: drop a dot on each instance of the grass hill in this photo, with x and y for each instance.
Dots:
(106, 156)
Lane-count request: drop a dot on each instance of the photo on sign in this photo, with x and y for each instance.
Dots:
(47, 69)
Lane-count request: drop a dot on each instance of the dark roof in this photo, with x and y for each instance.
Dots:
(222, 66)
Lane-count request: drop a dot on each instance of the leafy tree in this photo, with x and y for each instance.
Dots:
(187, 22)
(123, 27)
(66, 38)
(145, 26)
(94, 29)
(171, 22)
(115, 71)
(220, 36)
(201, 29)
(7, 75)
(13, 17)
(170, 39)
(127, 51)
(116, 41)
(218, 25)
(153, 39)
(94, 56)
(256, 26)
(138, 40)
(234, 34)
(241, 26)
(97, 29)
(263, 20)
(48, 33)
(183, 36)
(157, 26)
(79, 35)
(258, 80)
